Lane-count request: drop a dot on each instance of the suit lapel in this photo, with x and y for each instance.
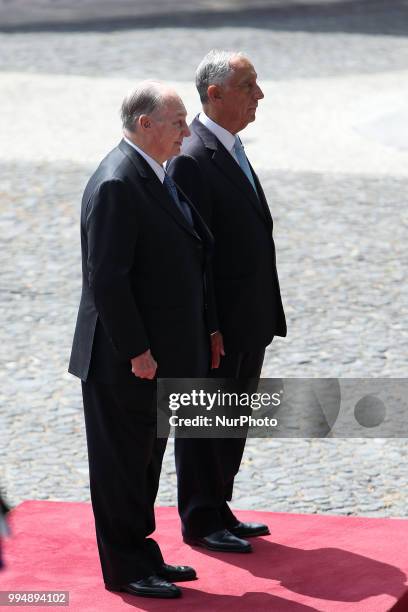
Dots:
(203, 231)
(153, 185)
(230, 168)
(262, 197)
(162, 196)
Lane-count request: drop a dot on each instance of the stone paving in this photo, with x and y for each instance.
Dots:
(340, 229)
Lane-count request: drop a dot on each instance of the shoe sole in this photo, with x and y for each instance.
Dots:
(178, 579)
(251, 535)
(217, 548)
(115, 589)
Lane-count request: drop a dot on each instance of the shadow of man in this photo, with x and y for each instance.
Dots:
(328, 574)
(200, 601)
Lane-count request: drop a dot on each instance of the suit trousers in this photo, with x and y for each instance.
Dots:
(206, 468)
(125, 460)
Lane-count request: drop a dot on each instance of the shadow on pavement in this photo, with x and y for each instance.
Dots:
(348, 16)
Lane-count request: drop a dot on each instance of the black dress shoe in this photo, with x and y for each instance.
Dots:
(152, 586)
(222, 541)
(248, 530)
(176, 573)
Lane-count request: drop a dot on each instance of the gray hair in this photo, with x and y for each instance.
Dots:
(144, 100)
(214, 69)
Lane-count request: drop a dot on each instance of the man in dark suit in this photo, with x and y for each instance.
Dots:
(215, 173)
(142, 314)
(3, 528)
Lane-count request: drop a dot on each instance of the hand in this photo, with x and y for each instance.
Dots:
(217, 349)
(144, 365)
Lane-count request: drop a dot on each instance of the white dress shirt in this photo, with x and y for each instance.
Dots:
(224, 136)
(155, 166)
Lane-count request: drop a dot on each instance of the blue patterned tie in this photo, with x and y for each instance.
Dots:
(182, 206)
(243, 162)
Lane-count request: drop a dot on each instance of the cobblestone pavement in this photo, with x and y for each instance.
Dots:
(340, 232)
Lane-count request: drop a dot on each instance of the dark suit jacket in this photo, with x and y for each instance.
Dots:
(142, 273)
(245, 279)
(3, 510)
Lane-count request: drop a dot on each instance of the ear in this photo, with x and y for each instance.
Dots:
(144, 122)
(214, 93)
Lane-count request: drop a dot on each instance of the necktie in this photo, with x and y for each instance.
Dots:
(243, 162)
(182, 206)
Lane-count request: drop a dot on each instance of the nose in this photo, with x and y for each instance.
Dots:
(259, 93)
(186, 131)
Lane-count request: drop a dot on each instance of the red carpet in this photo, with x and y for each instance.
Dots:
(310, 562)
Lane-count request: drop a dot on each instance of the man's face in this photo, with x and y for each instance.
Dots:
(169, 128)
(240, 95)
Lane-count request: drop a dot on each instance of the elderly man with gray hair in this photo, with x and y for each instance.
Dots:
(141, 315)
(213, 170)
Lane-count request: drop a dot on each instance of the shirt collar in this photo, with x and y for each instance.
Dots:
(155, 166)
(223, 135)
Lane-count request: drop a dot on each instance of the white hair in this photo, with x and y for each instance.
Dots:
(214, 69)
